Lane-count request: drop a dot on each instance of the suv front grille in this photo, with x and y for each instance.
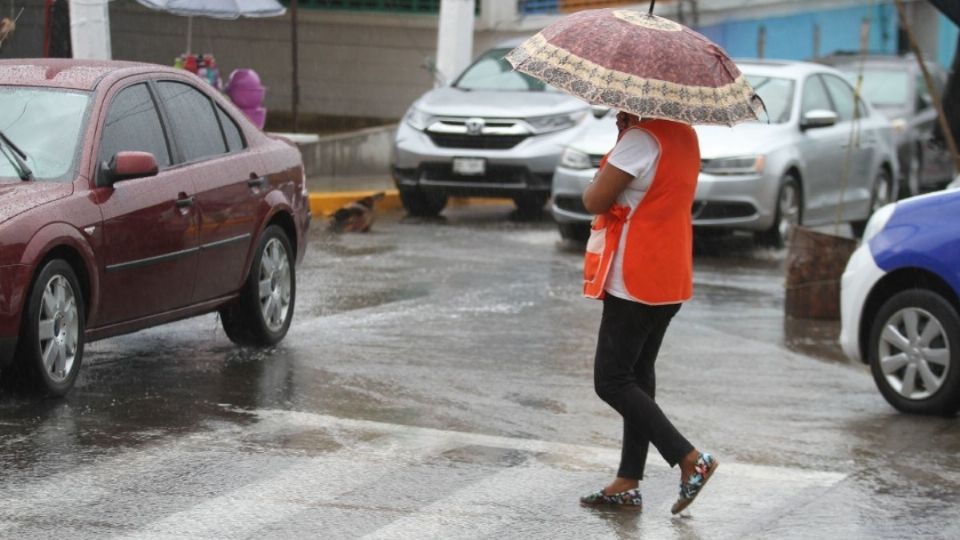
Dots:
(476, 142)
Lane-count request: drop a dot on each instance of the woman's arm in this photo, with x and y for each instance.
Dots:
(605, 188)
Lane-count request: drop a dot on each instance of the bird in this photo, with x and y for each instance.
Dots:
(356, 216)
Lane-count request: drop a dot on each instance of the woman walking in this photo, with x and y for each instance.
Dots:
(640, 256)
(639, 262)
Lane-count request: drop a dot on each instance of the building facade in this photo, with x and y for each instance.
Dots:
(370, 59)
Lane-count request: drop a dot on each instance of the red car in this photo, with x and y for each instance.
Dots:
(133, 195)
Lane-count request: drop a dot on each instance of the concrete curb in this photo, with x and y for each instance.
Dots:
(325, 203)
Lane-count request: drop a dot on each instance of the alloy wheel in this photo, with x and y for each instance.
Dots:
(881, 192)
(275, 285)
(789, 207)
(914, 353)
(58, 328)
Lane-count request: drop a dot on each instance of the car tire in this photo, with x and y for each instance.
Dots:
(261, 315)
(911, 329)
(913, 180)
(789, 213)
(576, 232)
(420, 203)
(530, 204)
(881, 194)
(50, 346)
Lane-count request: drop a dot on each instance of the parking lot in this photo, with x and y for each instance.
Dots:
(437, 383)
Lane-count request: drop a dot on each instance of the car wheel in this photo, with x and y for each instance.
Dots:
(577, 232)
(261, 315)
(914, 353)
(422, 203)
(789, 213)
(881, 194)
(50, 346)
(913, 178)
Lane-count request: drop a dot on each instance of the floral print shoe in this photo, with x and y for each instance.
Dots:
(630, 498)
(702, 471)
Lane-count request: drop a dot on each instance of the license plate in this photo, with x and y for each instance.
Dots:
(469, 166)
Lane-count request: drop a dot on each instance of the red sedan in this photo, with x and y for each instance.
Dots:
(135, 195)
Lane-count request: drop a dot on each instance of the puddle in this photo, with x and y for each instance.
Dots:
(340, 303)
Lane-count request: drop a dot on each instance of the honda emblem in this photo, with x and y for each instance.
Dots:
(475, 126)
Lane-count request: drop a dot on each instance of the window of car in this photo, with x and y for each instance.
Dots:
(815, 96)
(884, 87)
(133, 124)
(193, 121)
(231, 131)
(841, 94)
(492, 72)
(777, 95)
(47, 124)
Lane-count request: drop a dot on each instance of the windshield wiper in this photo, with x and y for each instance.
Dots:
(16, 157)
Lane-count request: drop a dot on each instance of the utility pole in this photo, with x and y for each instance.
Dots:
(455, 37)
(90, 30)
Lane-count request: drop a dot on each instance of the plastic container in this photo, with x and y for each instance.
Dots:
(245, 89)
(256, 115)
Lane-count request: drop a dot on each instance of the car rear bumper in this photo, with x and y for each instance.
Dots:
(859, 278)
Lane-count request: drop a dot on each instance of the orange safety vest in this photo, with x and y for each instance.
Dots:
(658, 254)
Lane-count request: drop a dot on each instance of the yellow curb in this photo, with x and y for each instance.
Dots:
(326, 203)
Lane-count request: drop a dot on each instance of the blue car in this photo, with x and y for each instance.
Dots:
(900, 303)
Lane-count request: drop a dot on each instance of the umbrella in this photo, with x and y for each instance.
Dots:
(640, 63)
(217, 9)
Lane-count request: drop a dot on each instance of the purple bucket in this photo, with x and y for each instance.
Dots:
(245, 89)
(256, 115)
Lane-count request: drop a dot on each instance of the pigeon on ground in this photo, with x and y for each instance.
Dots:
(356, 216)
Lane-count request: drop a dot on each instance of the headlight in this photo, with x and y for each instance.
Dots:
(417, 119)
(547, 124)
(575, 159)
(878, 221)
(736, 165)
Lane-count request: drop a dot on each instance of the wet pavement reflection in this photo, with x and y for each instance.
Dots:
(437, 382)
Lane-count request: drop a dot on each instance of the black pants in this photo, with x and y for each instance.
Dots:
(625, 378)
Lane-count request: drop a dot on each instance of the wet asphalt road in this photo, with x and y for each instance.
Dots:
(437, 384)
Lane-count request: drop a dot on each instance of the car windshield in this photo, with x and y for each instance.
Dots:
(46, 125)
(777, 96)
(884, 87)
(492, 72)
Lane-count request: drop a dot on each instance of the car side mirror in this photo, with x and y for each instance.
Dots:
(128, 166)
(818, 118)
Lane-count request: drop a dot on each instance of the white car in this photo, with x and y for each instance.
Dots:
(900, 303)
(766, 177)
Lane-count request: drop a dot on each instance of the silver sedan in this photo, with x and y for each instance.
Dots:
(822, 158)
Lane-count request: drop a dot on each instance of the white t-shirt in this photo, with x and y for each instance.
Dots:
(637, 153)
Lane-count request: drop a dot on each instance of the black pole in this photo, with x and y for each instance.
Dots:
(295, 91)
(652, 3)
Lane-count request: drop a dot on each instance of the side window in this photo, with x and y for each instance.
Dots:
(842, 95)
(231, 131)
(133, 124)
(815, 96)
(194, 122)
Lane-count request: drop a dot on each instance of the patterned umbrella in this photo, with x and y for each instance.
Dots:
(640, 63)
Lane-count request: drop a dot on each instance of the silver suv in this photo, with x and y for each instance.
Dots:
(492, 133)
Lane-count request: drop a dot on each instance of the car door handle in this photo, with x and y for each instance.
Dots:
(185, 202)
(257, 183)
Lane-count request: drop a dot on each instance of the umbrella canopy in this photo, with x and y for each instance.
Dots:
(640, 63)
(218, 9)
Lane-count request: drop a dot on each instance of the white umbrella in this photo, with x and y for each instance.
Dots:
(217, 9)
